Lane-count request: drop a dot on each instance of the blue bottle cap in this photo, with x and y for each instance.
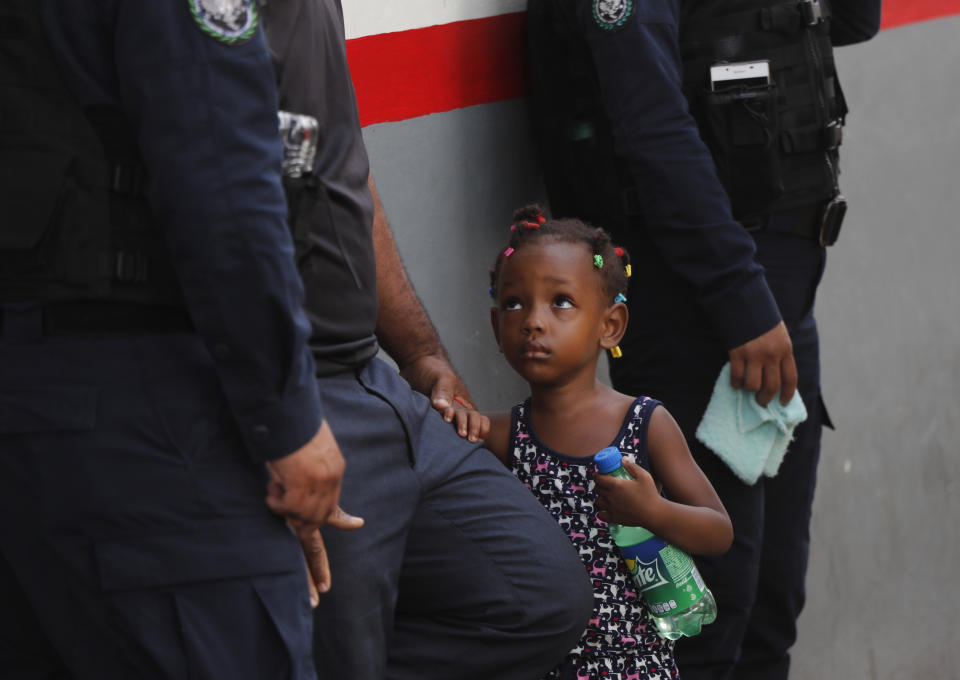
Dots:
(607, 460)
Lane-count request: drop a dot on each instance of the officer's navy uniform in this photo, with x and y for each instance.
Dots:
(447, 577)
(137, 405)
(622, 150)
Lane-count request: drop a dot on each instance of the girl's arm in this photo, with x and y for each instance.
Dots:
(497, 438)
(693, 519)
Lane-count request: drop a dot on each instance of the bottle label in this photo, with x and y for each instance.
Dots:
(666, 576)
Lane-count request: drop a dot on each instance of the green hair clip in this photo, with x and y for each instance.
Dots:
(598, 261)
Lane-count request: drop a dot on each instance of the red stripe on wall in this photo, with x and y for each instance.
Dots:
(900, 12)
(440, 68)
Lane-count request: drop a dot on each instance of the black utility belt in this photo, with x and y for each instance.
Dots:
(820, 222)
(37, 319)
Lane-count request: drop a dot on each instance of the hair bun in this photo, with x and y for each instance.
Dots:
(528, 213)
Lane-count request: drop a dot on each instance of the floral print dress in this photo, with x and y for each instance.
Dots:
(620, 641)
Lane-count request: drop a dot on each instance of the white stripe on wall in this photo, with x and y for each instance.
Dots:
(370, 17)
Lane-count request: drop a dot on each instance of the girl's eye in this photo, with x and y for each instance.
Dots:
(563, 302)
(511, 305)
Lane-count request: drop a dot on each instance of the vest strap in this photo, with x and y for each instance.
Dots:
(787, 18)
(127, 179)
(811, 138)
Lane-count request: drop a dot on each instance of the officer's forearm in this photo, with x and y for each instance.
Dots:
(404, 329)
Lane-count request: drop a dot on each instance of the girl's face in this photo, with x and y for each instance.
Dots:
(551, 313)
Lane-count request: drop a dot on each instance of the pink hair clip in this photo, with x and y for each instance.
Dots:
(508, 252)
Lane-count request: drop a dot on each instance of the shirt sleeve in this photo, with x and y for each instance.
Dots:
(685, 207)
(205, 115)
(853, 21)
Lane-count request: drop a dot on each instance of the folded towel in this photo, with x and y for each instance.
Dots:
(751, 439)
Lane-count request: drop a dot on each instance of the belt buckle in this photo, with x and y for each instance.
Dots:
(812, 11)
(832, 219)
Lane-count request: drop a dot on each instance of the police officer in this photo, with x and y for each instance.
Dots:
(447, 579)
(152, 351)
(614, 83)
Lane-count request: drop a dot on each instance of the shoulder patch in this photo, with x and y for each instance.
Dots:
(611, 15)
(232, 22)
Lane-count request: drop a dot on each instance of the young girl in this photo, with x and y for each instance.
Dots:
(559, 289)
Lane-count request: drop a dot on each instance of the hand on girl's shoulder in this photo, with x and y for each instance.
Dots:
(469, 422)
(497, 435)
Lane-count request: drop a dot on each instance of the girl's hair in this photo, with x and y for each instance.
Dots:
(529, 225)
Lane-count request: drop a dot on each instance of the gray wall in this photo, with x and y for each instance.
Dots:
(882, 600)
(885, 543)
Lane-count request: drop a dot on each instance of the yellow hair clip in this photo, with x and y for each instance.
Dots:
(616, 352)
(629, 271)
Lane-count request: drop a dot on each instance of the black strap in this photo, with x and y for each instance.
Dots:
(115, 266)
(94, 318)
(787, 18)
(804, 222)
(811, 138)
(127, 179)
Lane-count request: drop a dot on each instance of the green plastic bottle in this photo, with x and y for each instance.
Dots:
(679, 601)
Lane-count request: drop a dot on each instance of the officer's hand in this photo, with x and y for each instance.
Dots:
(305, 486)
(318, 566)
(765, 365)
(434, 376)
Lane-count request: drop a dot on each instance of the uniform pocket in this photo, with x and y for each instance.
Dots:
(210, 550)
(742, 129)
(59, 408)
(224, 599)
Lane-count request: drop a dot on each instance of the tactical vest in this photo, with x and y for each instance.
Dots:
(774, 144)
(774, 136)
(74, 224)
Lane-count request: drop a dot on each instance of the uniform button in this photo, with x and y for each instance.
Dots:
(221, 352)
(261, 433)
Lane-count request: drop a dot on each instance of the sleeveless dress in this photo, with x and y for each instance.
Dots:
(620, 641)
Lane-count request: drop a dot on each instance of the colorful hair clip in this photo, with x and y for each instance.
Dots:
(616, 352)
(540, 218)
(508, 252)
(513, 227)
(629, 271)
(620, 297)
(493, 294)
(598, 261)
(530, 225)
(618, 252)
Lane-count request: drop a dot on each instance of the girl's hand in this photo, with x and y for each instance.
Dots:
(627, 501)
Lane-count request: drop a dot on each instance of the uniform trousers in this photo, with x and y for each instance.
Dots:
(134, 537)
(458, 573)
(759, 582)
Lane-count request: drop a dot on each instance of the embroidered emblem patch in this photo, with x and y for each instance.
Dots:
(230, 21)
(612, 14)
